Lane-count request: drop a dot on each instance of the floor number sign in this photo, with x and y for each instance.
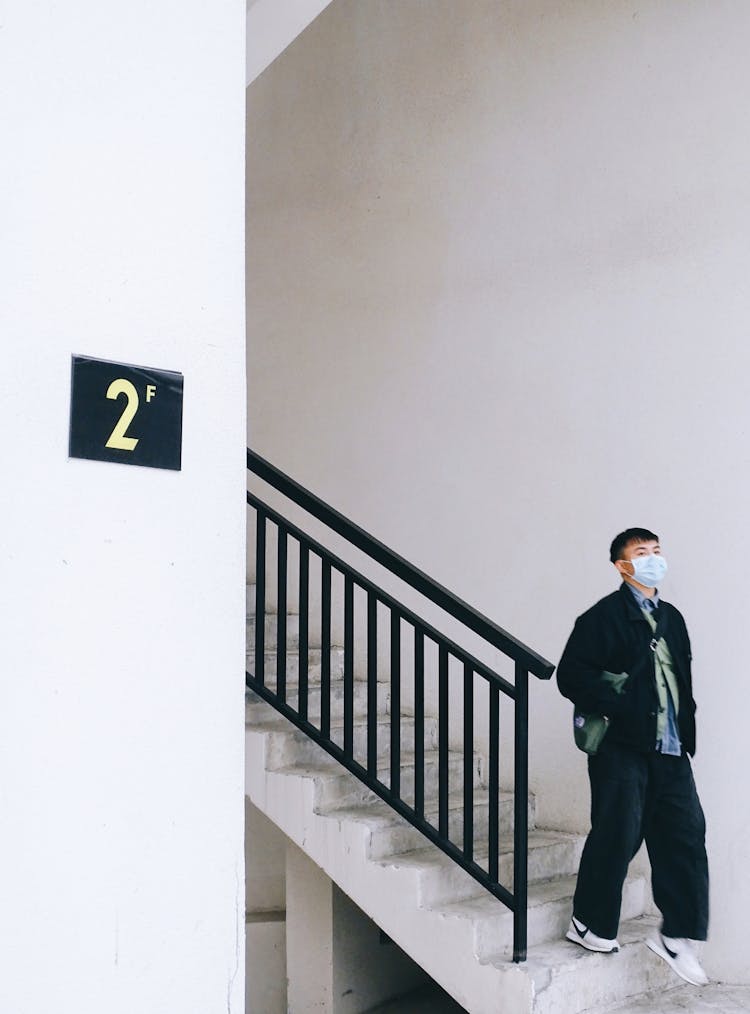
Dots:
(128, 414)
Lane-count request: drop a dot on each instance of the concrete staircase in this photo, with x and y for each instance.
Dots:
(431, 908)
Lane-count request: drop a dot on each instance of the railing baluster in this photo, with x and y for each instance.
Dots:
(260, 596)
(304, 627)
(526, 662)
(372, 685)
(443, 742)
(494, 783)
(468, 761)
(325, 650)
(521, 817)
(395, 703)
(348, 666)
(419, 722)
(396, 564)
(281, 617)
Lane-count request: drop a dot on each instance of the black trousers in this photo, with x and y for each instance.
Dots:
(634, 797)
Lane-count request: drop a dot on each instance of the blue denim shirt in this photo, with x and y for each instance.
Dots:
(670, 744)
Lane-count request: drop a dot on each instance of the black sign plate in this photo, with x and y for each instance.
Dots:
(129, 414)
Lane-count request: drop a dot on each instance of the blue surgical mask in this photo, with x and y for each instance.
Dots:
(649, 570)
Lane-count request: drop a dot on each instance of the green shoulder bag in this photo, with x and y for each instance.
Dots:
(589, 730)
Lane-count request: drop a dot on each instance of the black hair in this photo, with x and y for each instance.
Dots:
(625, 538)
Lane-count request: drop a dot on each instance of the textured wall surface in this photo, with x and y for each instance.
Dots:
(497, 277)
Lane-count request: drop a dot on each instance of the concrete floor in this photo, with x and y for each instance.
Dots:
(712, 999)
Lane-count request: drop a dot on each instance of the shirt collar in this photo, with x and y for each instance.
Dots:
(641, 599)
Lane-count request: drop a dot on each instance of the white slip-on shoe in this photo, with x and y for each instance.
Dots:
(680, 956)
(582, 935)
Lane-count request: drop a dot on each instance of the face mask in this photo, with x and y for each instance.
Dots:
(649, 570)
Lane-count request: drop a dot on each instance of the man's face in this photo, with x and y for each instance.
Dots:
(632, 550)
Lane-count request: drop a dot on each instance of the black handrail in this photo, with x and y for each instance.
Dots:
(388, 785)
(412, 575)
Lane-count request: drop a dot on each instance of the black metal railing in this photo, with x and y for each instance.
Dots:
(420, 783)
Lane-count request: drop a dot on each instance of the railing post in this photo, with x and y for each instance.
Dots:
(325, 650)
(281, 614)
(419, 722)
(443, 757)
(260, 596)
(395, 744)
(521, 815)
(493, 781)
(372, 685)
(304, 630)
(348, 666)
(468, 761)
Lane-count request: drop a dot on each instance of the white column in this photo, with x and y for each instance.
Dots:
(309, 935)
(122, 590)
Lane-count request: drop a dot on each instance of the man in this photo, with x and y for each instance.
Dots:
(641, 781)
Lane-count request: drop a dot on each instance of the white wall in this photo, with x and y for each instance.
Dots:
(122, 599)
(498, 291)
(265, 914)
(368, 967)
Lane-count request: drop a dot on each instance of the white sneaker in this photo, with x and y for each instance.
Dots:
(680, 956)
(582, 935)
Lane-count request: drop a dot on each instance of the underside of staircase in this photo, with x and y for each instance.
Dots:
(436, 912)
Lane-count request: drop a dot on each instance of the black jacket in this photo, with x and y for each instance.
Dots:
(615, 636)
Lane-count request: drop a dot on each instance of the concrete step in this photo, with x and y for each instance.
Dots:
(314, 664)
(288, 745)
(392, 836)
(271, 630)
(288, 748)
(462, 937)
(550, 907)
(715, 998)
(270, 593)
(551, 854)
(270, 606)
(335, 787)
(255, 708)
(568, 978)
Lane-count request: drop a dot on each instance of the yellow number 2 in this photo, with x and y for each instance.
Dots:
(117, 438)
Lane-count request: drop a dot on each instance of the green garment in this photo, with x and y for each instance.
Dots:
(666, 679)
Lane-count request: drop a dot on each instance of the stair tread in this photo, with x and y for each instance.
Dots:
(715, 998)
(277, 722)
(314, 679)
(563, 955)
(329, 765)
(433, 857)
(486, 906)
(268, 723)
(380, 814)
(254, 701)
(314, 651)
(632, 931)
(542, 892)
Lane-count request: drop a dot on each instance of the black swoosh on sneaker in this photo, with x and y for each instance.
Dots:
(581, 933)
(672, 954)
